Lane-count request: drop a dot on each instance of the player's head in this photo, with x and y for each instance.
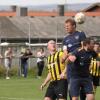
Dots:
(51, 46)
(70, 25)
(91, 43)
(96, 47)
(87, 44)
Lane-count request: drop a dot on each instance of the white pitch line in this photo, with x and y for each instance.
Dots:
(14, 98)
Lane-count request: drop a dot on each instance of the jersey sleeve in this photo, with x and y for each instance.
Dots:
(75, 53)
(64, 47)
(82, 36)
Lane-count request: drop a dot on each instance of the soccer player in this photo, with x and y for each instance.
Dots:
(95, 67)
(57, 87)
(71, 42)
(80, 76)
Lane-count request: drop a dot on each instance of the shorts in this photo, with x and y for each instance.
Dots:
(96, 80)
(57, 89)
(77, 83)
(7, 64)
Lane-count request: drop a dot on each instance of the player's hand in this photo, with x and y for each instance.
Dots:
(62, 75)
(42, 86)
(72, 58)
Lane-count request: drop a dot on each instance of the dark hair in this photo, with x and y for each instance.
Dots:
(86, 41)
(42, 49)
(71, 21)
(97, 43)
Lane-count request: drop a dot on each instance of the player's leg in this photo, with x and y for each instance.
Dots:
(74, 98)
(47, 98)
(90, 97)
(82, 94)
(50, 95)
(75, 88)
(95, 83)
(62, 99)
(70, 98)
(61, 89)
(88, 87)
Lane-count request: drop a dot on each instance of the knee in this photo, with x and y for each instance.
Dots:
(47, 98)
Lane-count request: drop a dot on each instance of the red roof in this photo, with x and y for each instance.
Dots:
(7, 13)
(49, 13)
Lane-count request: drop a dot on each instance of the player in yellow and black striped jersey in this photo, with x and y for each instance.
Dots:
(55, 66)
(58, 86)
(95, 67)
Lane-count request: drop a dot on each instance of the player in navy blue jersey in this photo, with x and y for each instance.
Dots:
(71, 42)
(80, 76)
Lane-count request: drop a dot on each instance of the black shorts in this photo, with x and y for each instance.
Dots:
(96, 80)
(57, 89)
(77, 83)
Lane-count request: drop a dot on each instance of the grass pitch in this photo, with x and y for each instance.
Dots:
(24, 89)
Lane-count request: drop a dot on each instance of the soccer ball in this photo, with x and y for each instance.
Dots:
(80, 18)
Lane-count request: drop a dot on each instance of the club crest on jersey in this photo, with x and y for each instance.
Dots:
(76, 37)
(69, 45)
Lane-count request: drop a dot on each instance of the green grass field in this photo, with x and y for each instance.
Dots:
(24, 89)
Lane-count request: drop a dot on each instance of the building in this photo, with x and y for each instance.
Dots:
(93, 8)
(18, 31)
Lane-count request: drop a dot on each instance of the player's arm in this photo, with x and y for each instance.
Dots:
(71, 58)
(63, 74)
(65, 54)
(48, 78)
(65, 61)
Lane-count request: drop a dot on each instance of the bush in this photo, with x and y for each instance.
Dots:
(2, 71)
(32, 72)
(14, 72)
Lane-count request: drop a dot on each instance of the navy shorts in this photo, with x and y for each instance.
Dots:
(57, 89)
(77, 83)
(96, 80)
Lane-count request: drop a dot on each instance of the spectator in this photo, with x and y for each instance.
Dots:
(40, 61)
(8, 61)
(21, 61)
(24, 64)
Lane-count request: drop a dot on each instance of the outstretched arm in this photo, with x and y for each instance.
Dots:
(48, 78)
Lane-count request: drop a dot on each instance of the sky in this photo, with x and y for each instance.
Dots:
(43, 2)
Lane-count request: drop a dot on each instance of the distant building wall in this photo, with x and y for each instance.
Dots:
(61, 10)
(22, 11)
(13, 8)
